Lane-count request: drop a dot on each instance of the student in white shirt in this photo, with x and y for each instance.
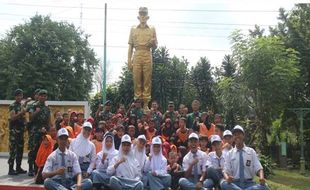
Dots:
(215, 163)
(156, 167)
(85, 150)
(62, 167)
(227, 141)
(194, 164)
(139, 151)
(124, 168)
(241, 165)
(99, 176)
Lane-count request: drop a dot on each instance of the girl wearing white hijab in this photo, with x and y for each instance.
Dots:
(139, 151)
(125, 168)
(156, 164)
(100, 176)
(85, 150)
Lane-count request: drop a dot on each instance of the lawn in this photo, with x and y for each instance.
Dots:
(288, 180)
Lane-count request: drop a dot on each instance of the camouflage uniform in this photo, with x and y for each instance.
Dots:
(105, 115)
(30, 109)
(16, 135)
(39, 121)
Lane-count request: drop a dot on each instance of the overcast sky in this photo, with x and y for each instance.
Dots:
(192, 29)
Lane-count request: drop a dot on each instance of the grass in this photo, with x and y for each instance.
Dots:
(288, 180)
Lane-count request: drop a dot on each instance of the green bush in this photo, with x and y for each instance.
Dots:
(267, 165)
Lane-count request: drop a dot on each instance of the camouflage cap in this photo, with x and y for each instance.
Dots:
(42, 91)
(143, 11)
(18, 92)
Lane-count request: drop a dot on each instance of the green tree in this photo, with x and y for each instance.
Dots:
(42, 53)
(201, 78)
(268, 70)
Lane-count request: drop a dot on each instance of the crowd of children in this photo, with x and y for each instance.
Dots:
(146, 150)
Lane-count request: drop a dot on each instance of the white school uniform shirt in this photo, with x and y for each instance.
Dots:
(85, 151)
(188, 159)
(250, 159)
(129, 169)
(112, 152)
(214, 161)
(158, 163)
(53, 163)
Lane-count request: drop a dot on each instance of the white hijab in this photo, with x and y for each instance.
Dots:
(156, 160)
(140, 155)
(110, 152)
(82, 146)
(129, 166)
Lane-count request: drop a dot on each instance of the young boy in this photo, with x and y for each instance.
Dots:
(98, 139)
(194, 164)
(62, 167)
(174, 169)
(215, 163)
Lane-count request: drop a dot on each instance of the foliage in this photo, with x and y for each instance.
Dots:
(42, 53)
(201, 78)
(266, 67)
(266, 162)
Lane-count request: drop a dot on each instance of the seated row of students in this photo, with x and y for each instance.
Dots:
(130, 167)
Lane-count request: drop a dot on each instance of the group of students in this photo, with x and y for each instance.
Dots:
(75, 164)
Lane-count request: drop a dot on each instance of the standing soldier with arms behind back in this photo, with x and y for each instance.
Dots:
(41, 122)
(16, 134)
(30, 110)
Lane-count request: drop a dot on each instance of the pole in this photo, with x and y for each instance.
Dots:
(104, 74)
(302, 157)
(301, 112)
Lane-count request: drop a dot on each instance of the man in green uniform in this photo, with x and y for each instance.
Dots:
(41, 122)
(193, 118)
(171, 113)
(16, 133)
(30, 110)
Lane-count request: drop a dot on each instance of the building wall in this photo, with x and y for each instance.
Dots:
(55, 106)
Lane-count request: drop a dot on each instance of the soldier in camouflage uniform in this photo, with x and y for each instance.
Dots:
(16, 133)
(30, 110)
(106, 114)
(41, 122)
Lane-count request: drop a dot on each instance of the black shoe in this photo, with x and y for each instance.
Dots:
(20, 170)
(31, 173)
(12, 172)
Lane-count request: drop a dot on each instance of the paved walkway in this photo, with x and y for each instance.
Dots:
(19, 180)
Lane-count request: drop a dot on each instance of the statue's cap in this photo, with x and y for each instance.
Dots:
(143, 10)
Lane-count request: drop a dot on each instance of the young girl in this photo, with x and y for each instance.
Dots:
(108, 152)
(156, 166)
(85, 150)
(45, 149)
(139, 151)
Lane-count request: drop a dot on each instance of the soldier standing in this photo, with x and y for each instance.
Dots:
(41, 122)
(142, 38)
(30, 110)
(16, 133)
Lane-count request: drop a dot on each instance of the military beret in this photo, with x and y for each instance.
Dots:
(18, 92)
(42, 91)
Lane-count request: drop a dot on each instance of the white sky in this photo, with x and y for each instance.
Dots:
(187, 28)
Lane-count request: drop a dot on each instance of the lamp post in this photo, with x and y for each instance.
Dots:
(301, 112)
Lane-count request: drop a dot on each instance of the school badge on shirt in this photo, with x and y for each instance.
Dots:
(248, 163)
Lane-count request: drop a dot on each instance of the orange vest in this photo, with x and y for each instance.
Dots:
(203, 130)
